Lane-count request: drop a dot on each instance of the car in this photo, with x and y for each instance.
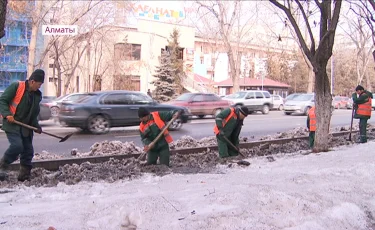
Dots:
(278, 102)
(349, 105)
(291, 96)
(99, 111)
(254, 100)
(373, 101)
(44, 114)
(201, 104)
(340, 102)
(300, 104)
(55, 104)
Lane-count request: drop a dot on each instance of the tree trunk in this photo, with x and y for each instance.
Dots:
(323, 103)
(233, 70)
(3, 10)
(34, 34)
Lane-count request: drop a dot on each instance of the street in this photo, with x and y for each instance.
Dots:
(254, 125)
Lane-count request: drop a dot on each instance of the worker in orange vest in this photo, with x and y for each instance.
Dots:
(20, 101)
(229, 124)
(150, 127)
(311, 125)
(362, 102)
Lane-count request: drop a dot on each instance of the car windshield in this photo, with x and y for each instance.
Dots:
(237, 95)
(184, 97)
(303, 97)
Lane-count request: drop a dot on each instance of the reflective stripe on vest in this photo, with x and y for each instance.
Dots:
(159, 123)
(232, 114)
(365, 108)
(312, 119)
(17, 99)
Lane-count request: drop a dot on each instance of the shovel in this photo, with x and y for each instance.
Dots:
(152, 144)
(233, 146)
(351, 125)
(62, 139)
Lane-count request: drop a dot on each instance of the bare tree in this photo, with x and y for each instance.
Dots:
(360, 35)
(233, 25)
(3, 11)
(318, 54)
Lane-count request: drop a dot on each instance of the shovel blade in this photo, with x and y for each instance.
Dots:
(66, 137)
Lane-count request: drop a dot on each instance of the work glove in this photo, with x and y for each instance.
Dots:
(222, 132)
(10, 119)
(39, 130)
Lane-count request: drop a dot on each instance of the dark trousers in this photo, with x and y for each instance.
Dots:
(225, 150)
(363, 129)
(162, 153)
(19, 145)
(311, 139)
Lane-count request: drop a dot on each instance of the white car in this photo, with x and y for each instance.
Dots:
(278, 102)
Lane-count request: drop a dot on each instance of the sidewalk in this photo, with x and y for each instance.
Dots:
(332, 190)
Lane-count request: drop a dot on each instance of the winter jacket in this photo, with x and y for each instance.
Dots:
(27, 110)
(232, 128)
(153, 131)
(363, 98)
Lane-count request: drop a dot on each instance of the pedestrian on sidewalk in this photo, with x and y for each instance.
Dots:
(20, 101)
(311, 125)
(229, 124)
(150, 127)
(149, 93)
(362, 102)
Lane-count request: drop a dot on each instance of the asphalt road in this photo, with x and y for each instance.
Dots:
(255, 125)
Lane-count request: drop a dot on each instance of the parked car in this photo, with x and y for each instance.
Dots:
(99, 111)
(55, 104)
(340, 102)
(291, 96)
(300, 104)
(278, 102)
(349, 105)
(254, 100)
(201, 104)
(44, 114)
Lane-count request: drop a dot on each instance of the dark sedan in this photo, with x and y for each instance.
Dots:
(99, 111)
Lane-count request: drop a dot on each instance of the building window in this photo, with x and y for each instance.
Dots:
(51, 66)
(127, 82)
(129, 52)
(52, 80)
(202, 60)
(4, 55)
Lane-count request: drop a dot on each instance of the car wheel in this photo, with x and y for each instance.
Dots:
(55, 111)
(266, 109)
(281, 107)
(176, 125)
(216, 112)
(98, 124)
(287, 113)
(200, 116)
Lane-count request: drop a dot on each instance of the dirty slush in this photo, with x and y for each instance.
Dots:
(204, 162)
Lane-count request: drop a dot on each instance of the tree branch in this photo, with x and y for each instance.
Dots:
(307, 24)
(296, 28)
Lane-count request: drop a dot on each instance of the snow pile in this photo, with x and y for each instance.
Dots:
(109, 148)
(333, 190)
(190, 142)
(44, 155)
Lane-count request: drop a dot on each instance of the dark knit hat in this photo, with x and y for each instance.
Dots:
(244, 110)
(359, 87)
(142, 112)
(37, 75)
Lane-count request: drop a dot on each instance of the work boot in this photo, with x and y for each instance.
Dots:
(3, 169)
(25, 173)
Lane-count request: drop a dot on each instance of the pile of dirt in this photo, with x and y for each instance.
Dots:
(44, 155)
(109, 148)
(296, 132)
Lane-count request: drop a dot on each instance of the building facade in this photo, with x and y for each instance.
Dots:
(14, 49)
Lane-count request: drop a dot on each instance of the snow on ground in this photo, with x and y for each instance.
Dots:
(333, 190)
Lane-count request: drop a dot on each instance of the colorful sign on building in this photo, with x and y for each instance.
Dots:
(156, 13)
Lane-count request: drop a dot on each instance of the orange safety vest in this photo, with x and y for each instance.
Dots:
(159, 122)
(365, 108)
(312, 119)
(232, 114)
(17, 98)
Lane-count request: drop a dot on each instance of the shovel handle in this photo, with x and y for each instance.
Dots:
(35, 129)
